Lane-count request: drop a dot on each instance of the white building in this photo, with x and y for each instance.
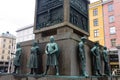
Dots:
(7, 46)
(25, 34)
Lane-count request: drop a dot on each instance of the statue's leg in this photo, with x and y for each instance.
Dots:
(34, 70)
(99, 73)
(18, 69)
(57, 70)
(15, 68)
(47, 67)
(106, 69)
(31, 72)
(84, 72)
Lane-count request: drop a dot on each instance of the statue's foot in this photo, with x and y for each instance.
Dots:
(100, 74)
(13, 72)
(85, 75)
(44, 73)
(34, 74)
(108, 74)
(57, 74)
(96, 74)
(29, 73)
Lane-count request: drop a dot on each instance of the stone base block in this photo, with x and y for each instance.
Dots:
(51, 77)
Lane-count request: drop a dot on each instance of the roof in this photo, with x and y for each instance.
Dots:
(23, 28)
(7, 35)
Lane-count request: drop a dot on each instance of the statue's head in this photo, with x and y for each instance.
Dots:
(51, 39)
(83, 39)
(18, 45)
(35, 43)
(105, 48)
(96, 44)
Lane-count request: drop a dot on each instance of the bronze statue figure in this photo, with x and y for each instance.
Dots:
(52, 51)
(17, 59)
(82, 56)
(97, 62)
(33, 61)
(106, 61)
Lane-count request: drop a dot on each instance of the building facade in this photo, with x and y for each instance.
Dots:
(96, 22)
(25, 34)
(112, 26)
(7, 46)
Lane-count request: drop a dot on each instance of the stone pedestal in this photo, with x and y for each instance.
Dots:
(39, 77)
(67, 39)
(67, 22)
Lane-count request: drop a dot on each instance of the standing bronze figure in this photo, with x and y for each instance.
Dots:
(97, 61)
(17, 59)
(52, 53)
(82, 56)
(106, 61)
(33, 61)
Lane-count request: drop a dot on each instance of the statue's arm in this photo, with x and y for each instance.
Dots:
(38, 50)
(19, 56)
(55, 50)
(46, 51)
(93, 51)
(104, 57)
(81, 50)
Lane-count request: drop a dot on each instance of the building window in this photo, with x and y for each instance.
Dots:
(2, 57)
(113, 42)
(8, 58)
(95, 12)
(4, 40)
(112, 30)
(95, 22)
(3, 51)
(96, 33)
(3, 45)
(110, 7)
(111, 19)
(10, 41)
(9, 47)
(8, 51)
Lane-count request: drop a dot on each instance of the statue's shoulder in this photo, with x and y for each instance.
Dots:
(32, 48)
(19, 49)
(93, 48)
(55, 43)
(36, 47)
(80, 43)
(47, 44)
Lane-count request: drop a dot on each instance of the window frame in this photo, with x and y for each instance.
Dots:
(96, 32)
(95, 22)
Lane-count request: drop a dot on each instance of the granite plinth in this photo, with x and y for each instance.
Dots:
(52, 77)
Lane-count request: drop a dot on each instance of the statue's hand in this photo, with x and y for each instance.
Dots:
(82, 57)
(46, 52)
(18, 60)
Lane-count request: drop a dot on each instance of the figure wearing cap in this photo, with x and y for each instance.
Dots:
(106, 61)
(82, 56)
(97, 61)
(17, 59)
(33, 60)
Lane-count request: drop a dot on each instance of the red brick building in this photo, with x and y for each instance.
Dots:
(111, 12)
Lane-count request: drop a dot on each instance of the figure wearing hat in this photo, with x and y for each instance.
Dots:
(82, 56)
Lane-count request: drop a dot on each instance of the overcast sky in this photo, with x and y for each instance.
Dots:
(15, 14)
